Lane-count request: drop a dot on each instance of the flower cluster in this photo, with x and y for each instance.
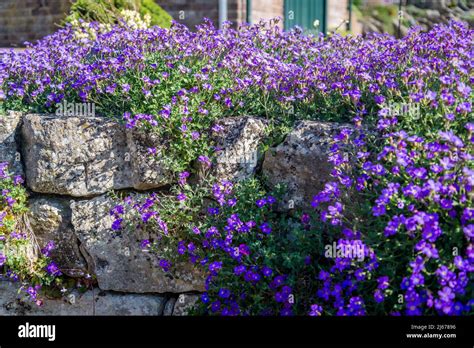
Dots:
(17, 259)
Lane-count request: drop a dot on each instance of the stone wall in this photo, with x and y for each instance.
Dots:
(72, 163)
(29, 20)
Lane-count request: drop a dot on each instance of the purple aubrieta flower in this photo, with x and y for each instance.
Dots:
(165, 265)
(469, 231)
(267, 272)
(53, 269)
(240, 269)
(117, 224)
(50, 246)
(316, 310)
(183, 177)
(261, 202)
(215, 266)
(3, 259)
(205, 160)
(265, 228)
(224, 293)
(205, 297)
(144, 244)
(18, 180)
(383, 282)
(379, 296)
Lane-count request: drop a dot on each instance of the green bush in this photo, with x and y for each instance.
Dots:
(108, 11)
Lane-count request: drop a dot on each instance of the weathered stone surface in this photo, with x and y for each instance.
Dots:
(109, 303)
(169, 306)
(50, 219)
(92, 302)
(184, 303)
(77, 156)
(301, 162)
(9, 151)
(118, 261)
(87, 156)
(13, 303)
(238, 144)
(147, 171)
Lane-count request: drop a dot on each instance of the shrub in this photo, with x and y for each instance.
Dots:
(113, 11)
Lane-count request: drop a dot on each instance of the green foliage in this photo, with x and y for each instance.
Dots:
(108, 11)
(19, 254)
(158, 16)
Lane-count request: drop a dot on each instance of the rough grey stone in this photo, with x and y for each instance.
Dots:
(89, 303)
(118, 261)
(109, 303)
(238, 148)
(14, 303)
(87, 156)
(147, 171)
(169, 306)
(301, 162)
(50, 219)
(76, 156)
(184, 303)
(9, 150)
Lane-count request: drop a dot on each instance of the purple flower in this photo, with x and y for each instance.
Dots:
(165, 265)
(316, 310)
(267, 272)
(215, 266)
(145, 243)
(117, 224)
(50, 246)
(378, 296)
(205, 160)
(53, 269)
(224, 293)
(265, 228)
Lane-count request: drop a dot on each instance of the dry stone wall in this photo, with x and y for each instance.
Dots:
(71, 164)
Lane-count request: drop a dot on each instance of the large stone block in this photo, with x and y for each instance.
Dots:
(147, 171)
(50, 220)
(237, 142)
(9, 150)
(87, 156)
(301, 162)
(184, 303)
(118, 261)
(92, 302)
(74, 156)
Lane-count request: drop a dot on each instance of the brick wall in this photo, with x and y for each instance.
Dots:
(29, 20)
(191, 12)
